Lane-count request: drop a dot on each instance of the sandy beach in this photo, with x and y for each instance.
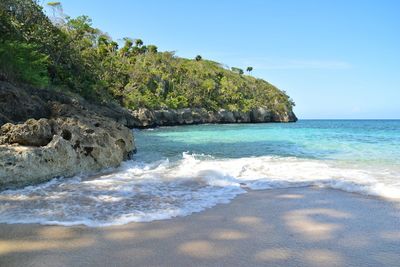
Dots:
(285, 227)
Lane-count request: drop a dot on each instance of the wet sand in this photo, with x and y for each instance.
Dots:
(285, 227)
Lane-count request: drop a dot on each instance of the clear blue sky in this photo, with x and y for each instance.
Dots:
(336, 59)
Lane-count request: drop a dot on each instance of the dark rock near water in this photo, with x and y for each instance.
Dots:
(226, 116)
(261, 115)
(145, 118)
(242, 117)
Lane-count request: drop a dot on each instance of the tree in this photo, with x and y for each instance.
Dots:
(249, 69)
(22, 62)
(138, 42)
(152, 49)
(198, 58)
(114, 46)
(124, 51)
(237, 70)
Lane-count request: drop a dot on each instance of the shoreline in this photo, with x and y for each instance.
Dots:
(247, 190)
(149, 118)
(281, 227)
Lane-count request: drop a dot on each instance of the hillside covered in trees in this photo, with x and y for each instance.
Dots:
(70, 55)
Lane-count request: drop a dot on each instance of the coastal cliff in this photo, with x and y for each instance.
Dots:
(94, 90)
(145, 118)
(45, 134)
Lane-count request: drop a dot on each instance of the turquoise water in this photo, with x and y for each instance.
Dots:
(357, 142)
(181, 170)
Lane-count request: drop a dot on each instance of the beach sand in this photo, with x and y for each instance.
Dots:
(283, 227)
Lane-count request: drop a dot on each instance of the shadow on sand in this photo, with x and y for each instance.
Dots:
(285, 227)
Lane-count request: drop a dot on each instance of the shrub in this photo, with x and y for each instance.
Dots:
(22, 62)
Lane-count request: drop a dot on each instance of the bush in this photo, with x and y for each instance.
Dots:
(22, 62)
(177, 102)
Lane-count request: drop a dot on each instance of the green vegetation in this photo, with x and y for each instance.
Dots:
(70, 54)
(22, 62)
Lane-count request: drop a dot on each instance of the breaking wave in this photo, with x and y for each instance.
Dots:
(140, 192)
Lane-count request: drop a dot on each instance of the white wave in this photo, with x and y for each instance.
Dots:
(281, 172)
(138, 192)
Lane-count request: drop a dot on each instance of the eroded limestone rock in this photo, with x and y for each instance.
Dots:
(31, 133)
(77, 145)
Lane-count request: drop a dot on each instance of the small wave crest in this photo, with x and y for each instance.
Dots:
(137, 191)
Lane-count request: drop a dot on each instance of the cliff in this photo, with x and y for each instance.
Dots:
(144, 118)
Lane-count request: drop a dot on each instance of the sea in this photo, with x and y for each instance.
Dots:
(180, 170)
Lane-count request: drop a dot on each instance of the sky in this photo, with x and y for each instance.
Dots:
(336, 59)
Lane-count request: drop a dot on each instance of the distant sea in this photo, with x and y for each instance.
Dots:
(185, 169)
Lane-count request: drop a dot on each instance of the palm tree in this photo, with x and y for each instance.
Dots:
(127, 47)
(138, 42)
(249, 69)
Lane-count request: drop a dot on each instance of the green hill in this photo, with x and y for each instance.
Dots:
(68, 54)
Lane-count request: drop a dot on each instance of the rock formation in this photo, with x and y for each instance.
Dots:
(144, 118)
(68, 136)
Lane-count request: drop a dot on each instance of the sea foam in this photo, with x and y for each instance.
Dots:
(141, 192)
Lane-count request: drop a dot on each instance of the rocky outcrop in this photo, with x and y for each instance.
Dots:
(67, 136)
(167, 117)
(60, 147)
